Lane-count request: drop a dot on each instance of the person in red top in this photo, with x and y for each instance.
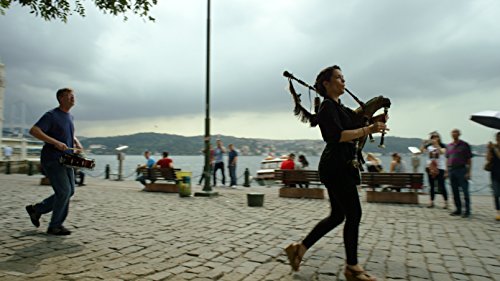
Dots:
(165, 162)
(289, 163)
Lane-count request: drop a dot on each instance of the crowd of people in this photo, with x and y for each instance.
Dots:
(337, 170)
(217, 164)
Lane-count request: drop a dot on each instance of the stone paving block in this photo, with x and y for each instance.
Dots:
(186, 276)
(256, 257)
(419, 272)
(476, 271)
(234, 276)
(436, 268)
(460, 276)
(213, 274)
(222, 239)
(178, 269)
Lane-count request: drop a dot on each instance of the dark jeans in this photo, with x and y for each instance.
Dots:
(344, 201)
(457, 180)
(495, 185)
(62, 180)
(232, 174)
(441, 184)
(220, 166)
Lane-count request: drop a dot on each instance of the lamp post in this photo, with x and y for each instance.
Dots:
(207, 189)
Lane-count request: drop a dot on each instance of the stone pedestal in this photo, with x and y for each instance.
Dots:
(310, 193)
(392, 197)
(162, 187)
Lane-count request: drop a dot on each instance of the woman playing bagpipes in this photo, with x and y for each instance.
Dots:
(338, 169)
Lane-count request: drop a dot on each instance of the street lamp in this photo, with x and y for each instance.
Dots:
(207, 189)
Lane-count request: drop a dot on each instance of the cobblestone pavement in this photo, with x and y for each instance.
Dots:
(121, 233)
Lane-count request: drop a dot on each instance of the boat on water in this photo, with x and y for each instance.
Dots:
(265, 175)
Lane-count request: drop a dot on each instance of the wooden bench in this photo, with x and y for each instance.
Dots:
(395, 182)
(295, 177)
(167, 176)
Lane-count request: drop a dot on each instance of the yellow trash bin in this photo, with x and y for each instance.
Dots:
(184, 183)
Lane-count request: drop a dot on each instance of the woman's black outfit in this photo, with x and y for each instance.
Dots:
(340, 177)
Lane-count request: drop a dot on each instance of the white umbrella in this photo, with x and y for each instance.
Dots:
(488, 118)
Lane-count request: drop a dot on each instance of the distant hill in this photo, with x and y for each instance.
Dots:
(182, 145)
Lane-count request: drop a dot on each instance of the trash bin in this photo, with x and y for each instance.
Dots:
(255, 199)
(184, 183)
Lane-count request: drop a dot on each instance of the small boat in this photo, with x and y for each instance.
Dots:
(265, 175)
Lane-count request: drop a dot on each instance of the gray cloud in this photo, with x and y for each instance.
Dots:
(406, 50)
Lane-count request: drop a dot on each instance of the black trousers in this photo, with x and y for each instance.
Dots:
(441, 184)
(217, 166)
(345, 205)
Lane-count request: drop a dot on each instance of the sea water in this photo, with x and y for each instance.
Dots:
(479, 184)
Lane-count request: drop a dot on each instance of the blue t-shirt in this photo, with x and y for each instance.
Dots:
(218, 155)
(150, 162)
(232, 154)
(58, 125)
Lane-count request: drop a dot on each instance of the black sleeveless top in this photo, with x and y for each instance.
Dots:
(335, 166)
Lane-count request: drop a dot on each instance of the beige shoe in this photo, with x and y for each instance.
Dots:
(295, 253)
(354, 275)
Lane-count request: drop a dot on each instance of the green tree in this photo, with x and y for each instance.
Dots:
(61, 9)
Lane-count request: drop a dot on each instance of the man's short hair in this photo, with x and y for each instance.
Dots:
(165, 154)
(61, 92)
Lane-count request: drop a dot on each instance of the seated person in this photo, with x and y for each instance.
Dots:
(288, 164)
(150, 162)
(373, 164)
(303, 164)
(397, 165)
(79, 174)
(165, 162)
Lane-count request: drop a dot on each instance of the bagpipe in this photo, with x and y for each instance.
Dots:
(364, 113)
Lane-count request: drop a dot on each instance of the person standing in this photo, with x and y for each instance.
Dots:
(337, 170)
(493, 157)
(7, 153)
(219, 162)
(458, 169)
(56, 129)
(436, 165)
(232, 160)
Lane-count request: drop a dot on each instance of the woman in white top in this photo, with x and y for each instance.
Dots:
(436, 165)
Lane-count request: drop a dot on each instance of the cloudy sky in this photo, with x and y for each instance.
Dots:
(438, 61)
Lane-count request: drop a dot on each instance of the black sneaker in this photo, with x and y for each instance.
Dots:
(456, 213)
(61, 230)
(466, 215)
(34, 216)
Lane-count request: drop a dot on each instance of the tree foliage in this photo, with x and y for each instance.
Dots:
(62, 9)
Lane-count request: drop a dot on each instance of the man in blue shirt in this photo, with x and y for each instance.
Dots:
(150, 163)
(219, 162)
(56, 129)
(232, 160)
